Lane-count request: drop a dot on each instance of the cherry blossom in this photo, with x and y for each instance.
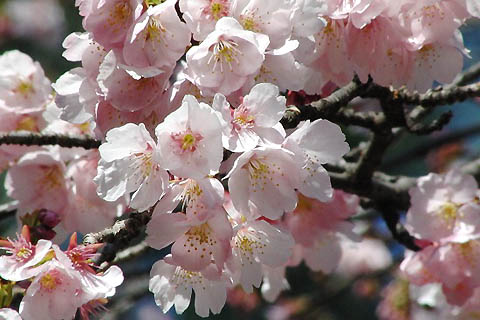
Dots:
(255, 120)
(38, 181)
(201, 199)
(257, 243)
(23, 85)
(172, 286)
(189, 140)
(195, 245)
(311, 153)
(109, 21)
(444, 208)
(262, 182)
(157, 39)
(223, 62)
(130, 167)
(268, 17)
(202, 15)
(25, 256)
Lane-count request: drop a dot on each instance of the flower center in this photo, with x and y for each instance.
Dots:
(53, 178)
(448, 211)
(217, 9)
(25, 88)
(224, 52)
(50, 280)
(23, 254)
(187, 141)
(242, 118)
(155, 30)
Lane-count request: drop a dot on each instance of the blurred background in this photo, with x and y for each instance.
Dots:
(38, 27)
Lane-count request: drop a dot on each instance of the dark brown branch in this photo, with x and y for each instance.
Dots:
(38, 139)
(323, 108)
(392, 219)
(119, 236)
(440, 96)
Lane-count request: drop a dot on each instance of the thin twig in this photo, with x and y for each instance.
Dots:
(38, 139)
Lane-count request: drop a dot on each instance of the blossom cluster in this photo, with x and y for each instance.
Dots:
(59, 282)
(444, 217)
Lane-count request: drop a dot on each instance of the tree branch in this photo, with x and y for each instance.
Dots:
(440, 96)
(38, 139)
(323, 108)
(119, 236)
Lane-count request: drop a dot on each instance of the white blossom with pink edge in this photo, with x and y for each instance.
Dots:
(38, 181)
(268, 17)
(157, 39)
(54, 294)
(263, 181)
(256, 243)
(254, 121)
(190, 140)
(124, 87)
(22, 256)
(202, 15)
(96, 285)
(316, 143)
(87, 212)
(130, 163)
(444, 208)
(454, 265)
(201, 198)
(109, 21)
(196, 246)
(223, 62)
(172, 286)
(23, 85)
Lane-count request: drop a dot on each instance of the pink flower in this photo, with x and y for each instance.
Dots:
(129, 163)
(157, 39)
(311, 152)
(435, 62)
(38, 181)
(24, 256)
(196, 245)
(56, 293)
(226, 58)
(202, 15)
(263, 181)
(312, 217)
(189, 140)
(454, 265)
(96, 285)
(172, 285)
(23, 85)
(109, 21)
(201, 199)
(444, 208)
(268, 17)
(255, 244)
(125, 89)
(254, 121)
(87, 212)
